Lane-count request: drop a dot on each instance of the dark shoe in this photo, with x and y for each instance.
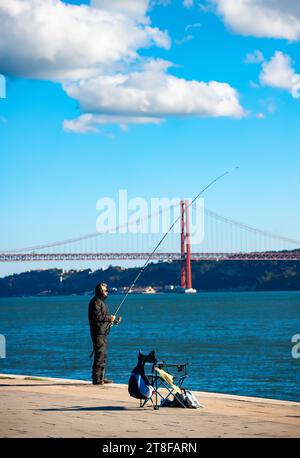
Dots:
(103, 382)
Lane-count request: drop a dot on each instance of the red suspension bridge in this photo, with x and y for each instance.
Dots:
(224, 239)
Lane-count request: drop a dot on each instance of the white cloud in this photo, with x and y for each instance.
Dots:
(94, 52)
(262, 18)
(184, 40)
(154, 93)
(185, 3)
(255, 57)
(260, 116)
(134, 8)
(206, 8)
(253, 84)
(48, 39)
(159, 2)
(279, 73)
(188, 3)
(90, 123)
(196, 25)
(188, 37)
(269, 105)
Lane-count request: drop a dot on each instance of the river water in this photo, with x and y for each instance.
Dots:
(238, 343)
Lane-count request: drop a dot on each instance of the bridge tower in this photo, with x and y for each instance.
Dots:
(186, 270)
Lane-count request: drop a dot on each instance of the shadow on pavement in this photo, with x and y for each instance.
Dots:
(79, 408)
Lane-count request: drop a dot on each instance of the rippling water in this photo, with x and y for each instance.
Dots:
(237, 343)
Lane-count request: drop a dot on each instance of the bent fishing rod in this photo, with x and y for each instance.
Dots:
(163, 238)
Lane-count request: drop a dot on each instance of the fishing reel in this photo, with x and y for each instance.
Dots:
(117, 321)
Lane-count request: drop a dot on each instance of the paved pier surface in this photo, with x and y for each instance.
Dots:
(47, 407)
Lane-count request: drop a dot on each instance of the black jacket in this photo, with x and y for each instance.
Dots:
(99, 316)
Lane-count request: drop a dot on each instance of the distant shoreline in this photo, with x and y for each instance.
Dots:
(207, 276)
(198, 293)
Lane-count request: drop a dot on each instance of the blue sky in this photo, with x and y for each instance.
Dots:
(52, 176)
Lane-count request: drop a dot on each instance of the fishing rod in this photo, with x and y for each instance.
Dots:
(163, 238)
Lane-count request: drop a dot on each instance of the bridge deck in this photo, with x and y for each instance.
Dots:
(214, 256)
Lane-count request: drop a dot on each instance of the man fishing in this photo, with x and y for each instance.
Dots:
(100, 323)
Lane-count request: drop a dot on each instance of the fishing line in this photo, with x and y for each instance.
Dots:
(165, 235)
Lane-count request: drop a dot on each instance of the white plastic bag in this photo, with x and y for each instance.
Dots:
(191, 400)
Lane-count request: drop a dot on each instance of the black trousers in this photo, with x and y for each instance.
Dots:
(100, 352)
